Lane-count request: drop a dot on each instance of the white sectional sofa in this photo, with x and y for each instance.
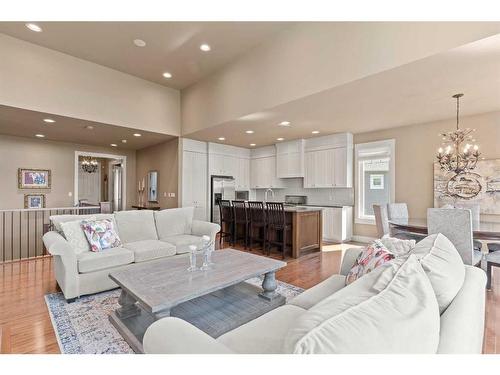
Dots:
(427, 302)
(145, 236)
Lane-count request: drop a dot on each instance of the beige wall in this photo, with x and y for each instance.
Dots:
(164, 159)
(312, 57)
(59, 157)
(416, 148)
(41, 79)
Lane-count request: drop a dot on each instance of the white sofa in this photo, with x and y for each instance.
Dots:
(145, 236)
(427, 312)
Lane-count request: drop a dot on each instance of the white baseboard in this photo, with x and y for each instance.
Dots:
(363, 239)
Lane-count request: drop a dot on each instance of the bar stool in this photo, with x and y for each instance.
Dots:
(226, 221)
(241, 220)
(257, 215)
(276, 222)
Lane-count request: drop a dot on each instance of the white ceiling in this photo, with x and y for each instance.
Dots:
(171, 46)
(415, 93)
(25, 123)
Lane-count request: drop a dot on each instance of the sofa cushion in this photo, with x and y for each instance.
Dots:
(182, 242)
(101, 234)
(150, 249)
(136, 225)
(91, 261)
(265, 334)
(402, 316)
(57, 220)
(174, 221)
(373, 256)
(443, 265)
(74, 234)
(319, 292)
(397, 246)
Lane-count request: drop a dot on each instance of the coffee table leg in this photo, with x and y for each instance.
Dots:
(488, 274)
(269, 285)
(128, 307)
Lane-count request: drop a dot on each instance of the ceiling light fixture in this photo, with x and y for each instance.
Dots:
(280, 139)
(285, 123)
(124, 141)
(49, 120)
(34, 27)
(89, 164)
(205, 47)
(249, 132)
(113, 145)
(89, 127)
(253, 144)
(167, 75)
(221, 139)
(139, 43)
(137, 135)
(315, 132)
(39, 135)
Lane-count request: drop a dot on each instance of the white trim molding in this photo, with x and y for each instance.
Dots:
(367, 151)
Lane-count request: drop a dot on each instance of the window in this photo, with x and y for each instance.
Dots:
(375, 177)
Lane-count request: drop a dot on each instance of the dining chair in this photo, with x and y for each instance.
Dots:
(257, 225)
(226, 221)
(475, 209)
(276, 224)
(456, 225)
(381, 220)
(241, 222)
(400, 211)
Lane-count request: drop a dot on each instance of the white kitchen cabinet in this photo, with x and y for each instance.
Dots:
(329, 168)
(194, 183)
(263, 173)
(337, 224)
(243, 174)
(290, 159)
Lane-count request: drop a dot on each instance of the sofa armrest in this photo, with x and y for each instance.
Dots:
(201, 228)
(348, 259)
(188, 339)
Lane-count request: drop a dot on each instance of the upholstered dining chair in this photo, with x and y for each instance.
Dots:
(456, 225)
(397, 211)
(475, 209)
(381, 220)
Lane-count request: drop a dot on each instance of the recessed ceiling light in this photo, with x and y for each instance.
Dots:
(137, 135)
(113, 145)
(315, 132)
(284, 123)
(139, 43)
(167, 75)
(280, 139)
(205, 47)
(249, 131)
(221, 139)
(49, 120)
(124, 141)
(253, 144)
(34, 27)
(89, 127)
(39, 135)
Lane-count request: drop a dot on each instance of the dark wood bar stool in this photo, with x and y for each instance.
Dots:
(241, 222)
(258, 224)
(276, 226)
(226, 221)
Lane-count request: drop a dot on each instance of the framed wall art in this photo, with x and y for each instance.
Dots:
(33, 178)
(34, 200)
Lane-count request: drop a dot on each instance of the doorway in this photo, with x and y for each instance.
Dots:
(100, 178)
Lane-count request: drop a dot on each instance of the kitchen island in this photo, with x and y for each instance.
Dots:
(307, 229)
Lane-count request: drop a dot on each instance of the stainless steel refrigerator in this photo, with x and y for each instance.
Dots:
(222, 187)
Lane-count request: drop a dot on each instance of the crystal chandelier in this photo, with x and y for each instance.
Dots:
(89, 165)
(453, 156)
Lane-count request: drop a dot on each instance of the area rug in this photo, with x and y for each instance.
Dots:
(82, 327)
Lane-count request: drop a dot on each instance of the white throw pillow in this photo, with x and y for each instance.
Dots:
(397, 246)
(74, 234)
(397, 314)
(443, 265)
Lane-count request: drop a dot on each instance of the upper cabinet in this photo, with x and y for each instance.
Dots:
(290, 159)
(232, 161)
(328, 161)
(263, 169)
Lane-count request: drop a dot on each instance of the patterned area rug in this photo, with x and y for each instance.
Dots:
(82, 327)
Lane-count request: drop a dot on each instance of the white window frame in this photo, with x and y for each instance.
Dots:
(380, 149)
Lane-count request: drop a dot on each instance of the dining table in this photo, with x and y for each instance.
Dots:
(482, 230)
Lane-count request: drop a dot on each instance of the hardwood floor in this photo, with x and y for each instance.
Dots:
(25, 325)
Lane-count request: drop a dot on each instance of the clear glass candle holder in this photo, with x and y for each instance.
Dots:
(192, 258)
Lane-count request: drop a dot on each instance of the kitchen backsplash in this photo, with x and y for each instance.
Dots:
(337, 196)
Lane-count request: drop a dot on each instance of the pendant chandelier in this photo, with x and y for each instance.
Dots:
(458, 154)
(89, 164)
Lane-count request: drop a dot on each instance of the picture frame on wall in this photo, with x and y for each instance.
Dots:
(33, 178)
(376, 181)
(34, 200)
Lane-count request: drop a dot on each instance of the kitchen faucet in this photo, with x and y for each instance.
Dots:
(267, 191)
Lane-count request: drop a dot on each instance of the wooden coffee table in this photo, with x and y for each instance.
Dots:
(216, 300)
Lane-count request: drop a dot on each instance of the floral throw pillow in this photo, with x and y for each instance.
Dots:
(373, 256)
(101, 234)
